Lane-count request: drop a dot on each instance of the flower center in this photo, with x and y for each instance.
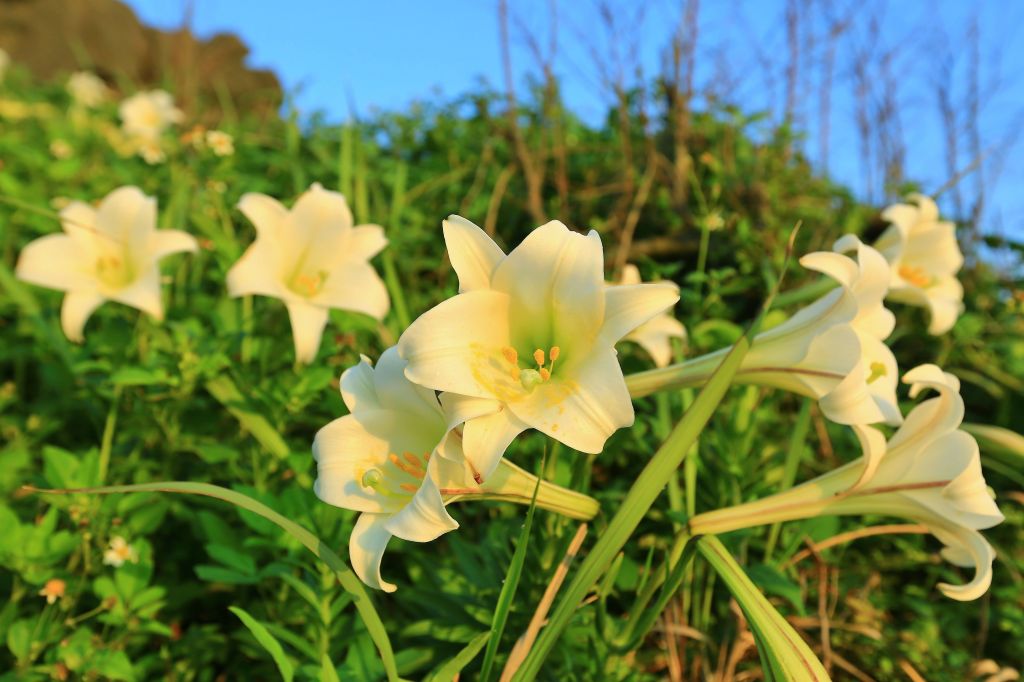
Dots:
(528, 376)
(877, 371)
(308, 285)
(398, 476)
(113, 271)
(915, 275)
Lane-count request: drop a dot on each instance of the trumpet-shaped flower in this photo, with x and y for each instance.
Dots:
(930, 472)
(313, 259)
(396, 459)
(832, 350)
(925, 258)
(108, 253)
(145, 115)
(87, 89)
(529, 342)
(654, 336)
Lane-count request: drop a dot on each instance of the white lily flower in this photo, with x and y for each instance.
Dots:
(120, 552)
(925, 258)
(312, 258)
(107, 253)
(832, 350)
(930, 472)
(654, 336)
(145, 115)
(87, 89)
(529, 342)
(395, 459)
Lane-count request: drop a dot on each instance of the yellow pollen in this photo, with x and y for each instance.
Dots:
(544, 374)
(915, 275)
(877, 371)
(510, 354)
(538, 357)
(515, 373)
(553, 353)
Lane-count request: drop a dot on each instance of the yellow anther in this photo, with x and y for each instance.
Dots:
(915, 275)
(510, 354)
(553, 353)
(408, 487)
(538, 357)
(411, 458)
(515, 373)
(877, 371)
(544, 374)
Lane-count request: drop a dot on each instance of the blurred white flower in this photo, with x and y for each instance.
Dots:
(312, 258)
(119, 552)
(929, 472)
(87, 89)
(925, 258)
(529, 342)
(220, 142)
(107, 253)
(151, 151)
(147, 114)
(395, 458)
(654, 336)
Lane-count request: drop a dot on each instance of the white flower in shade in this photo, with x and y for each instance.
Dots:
(312, 258)
(220, 142)
(119, 552)
(925, 258)
(529, 342)
(930, 472)
(109, 253)
(395, 459)
(654, 336)
(87, 89)
(148, 114)
(831, 350)
(5, 63)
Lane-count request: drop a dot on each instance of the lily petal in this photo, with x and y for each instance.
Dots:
(585, 415)
(366, 548)
(166, 242)
(76, 309)
(343, 450)
(308, 322)
(966, 547)
(366, 241)
(450, 347)
(485, 439)
(265, 213)
(57, 261)
(629, 306)
(424, 518)
(655, 337)
(128, 216)
(473, 254)
(356, 287)
(143, 293)
(256, 273)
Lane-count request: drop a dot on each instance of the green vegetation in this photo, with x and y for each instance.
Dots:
(211, 395)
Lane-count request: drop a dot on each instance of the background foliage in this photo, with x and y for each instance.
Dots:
(706, 198)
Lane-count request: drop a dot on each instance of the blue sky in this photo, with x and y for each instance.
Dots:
(382, 55)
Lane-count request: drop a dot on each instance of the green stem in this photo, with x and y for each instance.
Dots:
(107, 444)
(814, 290)
(510, 483)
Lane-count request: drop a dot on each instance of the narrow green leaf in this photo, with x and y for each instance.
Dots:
(448, 671)
(268, 642)
(346, 577)
(784, 651)
(228, 395)
(995, 440)
(508, 589)
(328, 673)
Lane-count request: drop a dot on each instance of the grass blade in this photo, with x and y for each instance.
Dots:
(781, 648)
(228, 395)
(346, 577)
(268, 642)
(450, 670)
(508, 588)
